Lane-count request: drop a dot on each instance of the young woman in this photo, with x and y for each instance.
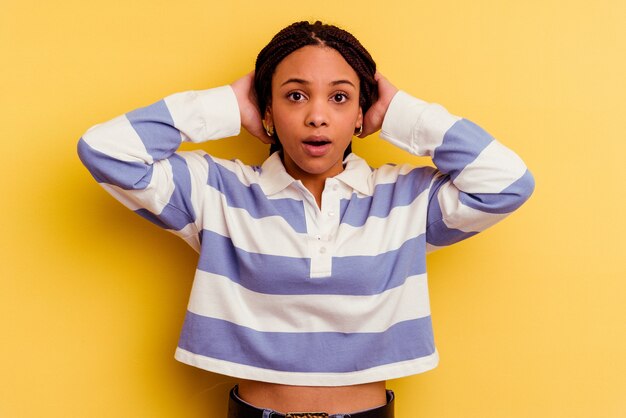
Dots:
(311, 282)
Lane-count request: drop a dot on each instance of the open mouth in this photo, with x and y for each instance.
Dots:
(316, 140)
(317, 146)
(317, 143)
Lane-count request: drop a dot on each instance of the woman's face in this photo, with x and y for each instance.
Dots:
(315, 111)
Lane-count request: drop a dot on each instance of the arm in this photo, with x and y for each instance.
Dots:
(478, 180)
(134, 155)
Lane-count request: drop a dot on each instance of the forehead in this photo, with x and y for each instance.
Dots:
(314, 63)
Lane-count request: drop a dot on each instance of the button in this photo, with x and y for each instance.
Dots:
(331, 213)
(322, 250)
(318, 237)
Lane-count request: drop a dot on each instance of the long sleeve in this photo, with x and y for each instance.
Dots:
(133, 156)
(478, 180)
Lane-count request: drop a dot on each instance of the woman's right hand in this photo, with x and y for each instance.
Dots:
(248, 108)
(373, 119)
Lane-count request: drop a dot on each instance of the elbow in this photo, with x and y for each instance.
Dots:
(514, 196)
(506, 201)
(517, 193)
(128, 175)
(87, 156)
(525, 187)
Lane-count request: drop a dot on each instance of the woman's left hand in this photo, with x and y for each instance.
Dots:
(373, 119)
(248, 108)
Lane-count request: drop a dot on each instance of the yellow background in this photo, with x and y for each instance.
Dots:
(530, 316)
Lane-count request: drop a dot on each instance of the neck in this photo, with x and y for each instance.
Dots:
(313, 182)
(316, 187)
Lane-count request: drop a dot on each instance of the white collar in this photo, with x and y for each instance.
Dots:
(357, 175)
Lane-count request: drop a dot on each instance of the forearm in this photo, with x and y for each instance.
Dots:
(122, 151)
(480, 181)
(134, 156)
(474, 160)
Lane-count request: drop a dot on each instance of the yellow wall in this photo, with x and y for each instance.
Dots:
(530, 316)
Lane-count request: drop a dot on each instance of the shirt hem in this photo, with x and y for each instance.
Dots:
(375, 374)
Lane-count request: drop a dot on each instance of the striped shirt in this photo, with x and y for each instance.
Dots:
(286, 291)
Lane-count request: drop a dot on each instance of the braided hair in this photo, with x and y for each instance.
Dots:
(300, 34)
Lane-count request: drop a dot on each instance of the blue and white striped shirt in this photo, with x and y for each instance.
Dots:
(284, 291)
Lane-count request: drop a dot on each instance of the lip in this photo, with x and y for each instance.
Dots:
(316, 145)
(316, 138)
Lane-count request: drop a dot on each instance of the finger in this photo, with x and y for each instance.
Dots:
(367, 130)
(259, 132)
(373, 120)
(263, 137)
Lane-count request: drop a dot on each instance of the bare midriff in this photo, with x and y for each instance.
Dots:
(329, 399)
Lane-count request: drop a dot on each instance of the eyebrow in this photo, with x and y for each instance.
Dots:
(305, 82)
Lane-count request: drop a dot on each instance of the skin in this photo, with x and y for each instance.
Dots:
(310, 107)
(315, 98)
(315, 111)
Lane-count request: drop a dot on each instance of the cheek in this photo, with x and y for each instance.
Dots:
(284, 118)
(350, 119)
(284, 126)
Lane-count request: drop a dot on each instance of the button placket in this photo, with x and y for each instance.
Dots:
(330, 218)
(326, 223)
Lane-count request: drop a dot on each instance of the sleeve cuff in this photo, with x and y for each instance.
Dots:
(221, 112)
(415, 125)
(204, 115)
(401, 121)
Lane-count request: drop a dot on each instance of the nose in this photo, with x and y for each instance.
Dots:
(317, 115)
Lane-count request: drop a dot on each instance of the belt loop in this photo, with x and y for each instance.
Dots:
(267, 413)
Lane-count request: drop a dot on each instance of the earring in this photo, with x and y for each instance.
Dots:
(269, 129)
(359, 132)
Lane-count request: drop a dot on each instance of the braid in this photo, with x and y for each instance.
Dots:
(300, 34)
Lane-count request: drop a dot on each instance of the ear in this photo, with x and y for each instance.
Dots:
(359, 119)
(268, 120)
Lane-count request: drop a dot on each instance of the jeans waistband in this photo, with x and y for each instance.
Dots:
(238, 408)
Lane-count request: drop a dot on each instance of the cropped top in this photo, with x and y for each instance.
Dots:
(288, 292)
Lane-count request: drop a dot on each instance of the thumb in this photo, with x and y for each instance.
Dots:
(373, 120)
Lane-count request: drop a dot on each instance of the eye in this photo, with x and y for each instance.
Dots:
(339, 97)
(295, 96)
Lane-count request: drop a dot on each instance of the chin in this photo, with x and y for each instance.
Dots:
(329, 171)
